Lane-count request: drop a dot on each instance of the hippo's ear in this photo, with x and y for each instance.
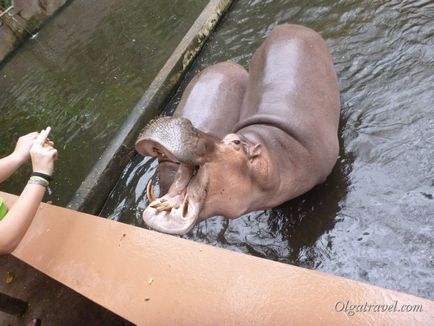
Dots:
(254, 151)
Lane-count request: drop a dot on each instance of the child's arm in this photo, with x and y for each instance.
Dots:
(10, 163)
(16, 222)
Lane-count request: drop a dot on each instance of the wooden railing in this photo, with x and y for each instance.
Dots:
(152, 278)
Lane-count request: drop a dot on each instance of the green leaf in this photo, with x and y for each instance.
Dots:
(9, 277)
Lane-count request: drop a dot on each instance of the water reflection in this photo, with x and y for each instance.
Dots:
(373, 220)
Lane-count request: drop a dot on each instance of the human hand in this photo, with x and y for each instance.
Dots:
(43, 153)
(22, 148)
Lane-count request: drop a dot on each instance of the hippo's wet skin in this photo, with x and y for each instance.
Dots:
(242, 141)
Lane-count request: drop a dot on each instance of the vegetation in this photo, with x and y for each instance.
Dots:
(5, 3)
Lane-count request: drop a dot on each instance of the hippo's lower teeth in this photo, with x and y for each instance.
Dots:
(150, 191)
(164, 207)
(185, 209)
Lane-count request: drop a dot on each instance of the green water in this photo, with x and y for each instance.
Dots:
(82, 74)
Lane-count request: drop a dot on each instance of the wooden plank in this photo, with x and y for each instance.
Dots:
(152, 278)
(12, 306)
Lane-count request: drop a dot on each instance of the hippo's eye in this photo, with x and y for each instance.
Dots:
(236, 142)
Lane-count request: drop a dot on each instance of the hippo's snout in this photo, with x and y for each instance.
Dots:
(174, 139)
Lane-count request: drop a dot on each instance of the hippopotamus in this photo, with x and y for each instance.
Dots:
(241, 141)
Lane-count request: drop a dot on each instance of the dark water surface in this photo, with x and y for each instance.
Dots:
(82, 75)
(373, 220)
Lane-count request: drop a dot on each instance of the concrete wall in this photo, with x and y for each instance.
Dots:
(94, 190)
(24, 18)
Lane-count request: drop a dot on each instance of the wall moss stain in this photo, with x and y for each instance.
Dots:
(7, 41)
(93, 192)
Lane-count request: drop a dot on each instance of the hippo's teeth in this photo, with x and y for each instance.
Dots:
(158, 152)
(150, 191)
(185, 208)
(164, 206)
(155, 205)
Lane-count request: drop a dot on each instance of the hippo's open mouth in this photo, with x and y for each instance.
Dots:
(176, 140)
(178, 210)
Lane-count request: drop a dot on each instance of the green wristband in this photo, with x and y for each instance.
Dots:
(3, 209)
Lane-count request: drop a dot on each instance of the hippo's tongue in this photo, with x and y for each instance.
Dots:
(178, 210)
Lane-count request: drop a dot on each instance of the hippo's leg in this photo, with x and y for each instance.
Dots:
(212, 102)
